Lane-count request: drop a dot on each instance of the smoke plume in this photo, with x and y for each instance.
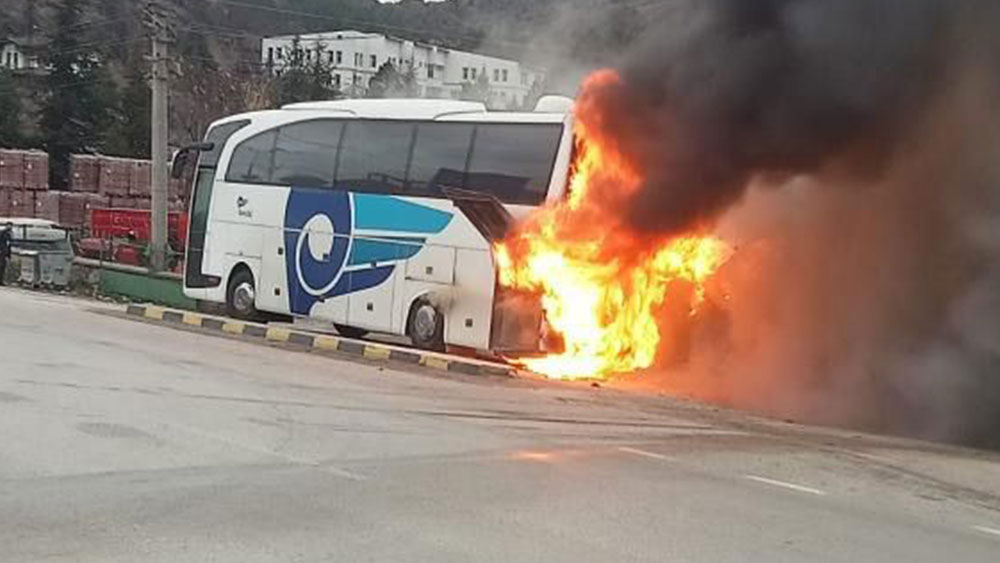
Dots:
(852, 148)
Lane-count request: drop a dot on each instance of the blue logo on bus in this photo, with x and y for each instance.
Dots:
(338, 242)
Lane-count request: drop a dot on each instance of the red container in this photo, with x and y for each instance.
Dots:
(47, 206)
(141, 181)
(120, 223)
(116, 174)
(36, 171)
(11, 169)
(85, 173)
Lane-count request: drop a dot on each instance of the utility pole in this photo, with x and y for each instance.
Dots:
(160, 35)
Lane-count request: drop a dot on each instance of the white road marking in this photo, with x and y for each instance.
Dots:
(786, 485)
(987, 530)
(643, 453)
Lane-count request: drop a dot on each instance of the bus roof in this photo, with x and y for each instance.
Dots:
(393, 108)
(411, 109)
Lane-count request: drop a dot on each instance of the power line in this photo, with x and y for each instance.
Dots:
(94, 45)
(339, 20)
(98, 23)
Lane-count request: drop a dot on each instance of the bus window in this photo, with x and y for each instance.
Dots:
(305, 154)
(513, 161)
(252, 160)
(439, 156)
(373, 156)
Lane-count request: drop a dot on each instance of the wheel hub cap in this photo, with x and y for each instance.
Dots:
(425, 322)
(243, 297)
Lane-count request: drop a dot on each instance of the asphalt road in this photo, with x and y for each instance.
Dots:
(125, 441)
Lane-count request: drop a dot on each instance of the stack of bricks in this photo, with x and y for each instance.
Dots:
(95, 182)
(24, 180)
(126, 183)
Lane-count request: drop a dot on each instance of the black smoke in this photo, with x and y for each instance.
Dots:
(852, 149)
(728, 89)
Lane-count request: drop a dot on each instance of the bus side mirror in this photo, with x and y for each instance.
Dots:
(186, 157)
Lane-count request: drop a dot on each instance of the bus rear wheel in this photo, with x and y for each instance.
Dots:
(241, 296)
(425, 326)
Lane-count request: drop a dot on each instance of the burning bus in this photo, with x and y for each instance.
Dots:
(375, 215)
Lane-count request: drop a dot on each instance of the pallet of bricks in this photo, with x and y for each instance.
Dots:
(24, 185)
(109, 182)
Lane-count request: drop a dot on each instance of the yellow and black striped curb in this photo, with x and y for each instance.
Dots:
(318, 342)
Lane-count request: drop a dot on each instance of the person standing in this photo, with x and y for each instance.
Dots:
(5, 240)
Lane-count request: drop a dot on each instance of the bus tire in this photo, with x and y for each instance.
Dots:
(350, 331)
(425, 326)
(241, 296)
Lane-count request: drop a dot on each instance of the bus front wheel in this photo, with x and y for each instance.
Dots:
(241, 296)
(425, 326)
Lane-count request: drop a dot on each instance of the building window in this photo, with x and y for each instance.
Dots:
(340, 57)
(496, 75)
(430, 71)
(374, 61)
(465, 73)
(504, 72)
(270, 54)
(336, 81)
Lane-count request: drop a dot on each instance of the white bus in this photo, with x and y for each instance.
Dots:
(373, 215)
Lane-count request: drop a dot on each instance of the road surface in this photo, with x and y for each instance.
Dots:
(125, 441)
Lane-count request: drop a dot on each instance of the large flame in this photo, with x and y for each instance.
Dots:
(602, 284)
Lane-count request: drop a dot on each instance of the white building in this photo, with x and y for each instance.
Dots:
(17, 55)
(355, 57)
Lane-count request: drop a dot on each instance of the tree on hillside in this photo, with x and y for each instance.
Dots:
(305, 76)
(389, 82)
(79, 95)
(534, 94)
(131, 132)
(10, 111)
(477, 91)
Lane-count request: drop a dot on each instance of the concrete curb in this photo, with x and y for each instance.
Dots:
(317, 342)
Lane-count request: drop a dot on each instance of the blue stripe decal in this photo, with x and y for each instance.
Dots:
(369, 251)
(387, 213)
(360, 280)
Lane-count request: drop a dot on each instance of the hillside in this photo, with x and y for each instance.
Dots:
(216, 45)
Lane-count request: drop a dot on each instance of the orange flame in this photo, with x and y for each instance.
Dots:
(601, 284)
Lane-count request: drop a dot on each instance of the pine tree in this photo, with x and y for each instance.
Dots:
(304, 79)
(10, 111)
(389, 82)
(131, 132)
(79, 94)
(478, 91)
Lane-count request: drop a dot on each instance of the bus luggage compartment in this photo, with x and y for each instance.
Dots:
(518, 319)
